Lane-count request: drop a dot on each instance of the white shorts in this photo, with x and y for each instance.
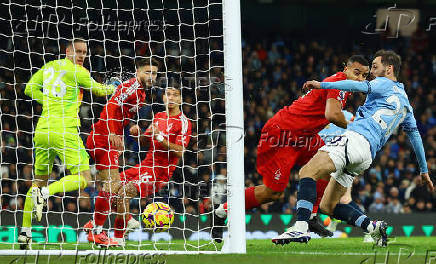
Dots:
(351, 155)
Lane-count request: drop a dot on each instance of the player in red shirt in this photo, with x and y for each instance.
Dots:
(167, 137)
(105, 141)
(291, 137)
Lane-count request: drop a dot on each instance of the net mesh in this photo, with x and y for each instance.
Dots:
(186, 37)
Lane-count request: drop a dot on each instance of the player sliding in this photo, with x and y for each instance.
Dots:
(167, 138)
(291, 137)
(386, 107)
(61, 82)
(105, 142)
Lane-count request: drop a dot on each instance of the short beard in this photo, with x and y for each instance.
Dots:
(383, 74)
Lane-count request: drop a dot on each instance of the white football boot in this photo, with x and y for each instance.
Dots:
(299, 232)
(379, 234)
(25, 241)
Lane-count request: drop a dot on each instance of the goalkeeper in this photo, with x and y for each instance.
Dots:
(58, 86)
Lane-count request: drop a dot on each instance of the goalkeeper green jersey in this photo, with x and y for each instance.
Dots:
(62, 83)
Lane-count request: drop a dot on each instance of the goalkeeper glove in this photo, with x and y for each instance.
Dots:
(114, 81)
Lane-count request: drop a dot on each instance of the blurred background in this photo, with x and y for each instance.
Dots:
(312, 40)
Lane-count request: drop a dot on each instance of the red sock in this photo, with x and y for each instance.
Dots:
(250, 199)
(102, 206)
(120, 225)
(320, 188)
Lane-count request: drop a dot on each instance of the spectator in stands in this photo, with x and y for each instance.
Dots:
(378, 205)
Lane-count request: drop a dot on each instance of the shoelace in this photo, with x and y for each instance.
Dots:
(290, 229)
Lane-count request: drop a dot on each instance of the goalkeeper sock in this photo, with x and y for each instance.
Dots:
(320, 188)
(68, 184)
(306, 197)
(27, 212)
(352, 216)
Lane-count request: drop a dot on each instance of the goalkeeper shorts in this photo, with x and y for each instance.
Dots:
(67, 145)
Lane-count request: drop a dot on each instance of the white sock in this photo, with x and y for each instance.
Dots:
(27, 230)
(313, 215)
(221, 212)
(302, 226)
(98, 229)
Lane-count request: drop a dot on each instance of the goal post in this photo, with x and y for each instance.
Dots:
(234, 127)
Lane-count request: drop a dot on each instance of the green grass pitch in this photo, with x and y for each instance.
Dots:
(406, 250)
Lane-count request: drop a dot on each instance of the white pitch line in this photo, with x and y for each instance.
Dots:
(168, 252)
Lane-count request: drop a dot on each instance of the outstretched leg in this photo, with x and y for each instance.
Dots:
(319, 167)
(254, 197)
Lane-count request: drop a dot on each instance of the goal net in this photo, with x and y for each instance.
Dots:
(198, 46)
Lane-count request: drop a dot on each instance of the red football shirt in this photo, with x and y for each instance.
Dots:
(176, 129)
(121, 108)
(306, 115)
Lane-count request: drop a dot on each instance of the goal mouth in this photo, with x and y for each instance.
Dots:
(197, 45)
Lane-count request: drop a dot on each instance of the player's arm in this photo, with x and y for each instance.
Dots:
(176, 148)
(145, 138)
(34, 86)
(409, 126)
(113, 114)
(86, 81)
(346, 85)
(333, 113)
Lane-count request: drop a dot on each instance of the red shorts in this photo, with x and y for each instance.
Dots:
(99, 148)
(144, 179)
(279, 151)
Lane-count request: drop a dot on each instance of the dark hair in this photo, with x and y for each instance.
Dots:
(359, 59)
(76, 40)
(146, 62)
(389, 57)
(175, 87)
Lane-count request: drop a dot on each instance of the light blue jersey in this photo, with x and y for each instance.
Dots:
(386, 107)
(331, 130)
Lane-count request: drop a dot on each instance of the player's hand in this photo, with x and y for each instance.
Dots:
(157, 134)
(135, 130)
(425, 179)
(115, 81)
(155, 129)
(116, 141)
(309, 85)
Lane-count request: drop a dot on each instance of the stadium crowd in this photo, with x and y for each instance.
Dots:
(273, 76)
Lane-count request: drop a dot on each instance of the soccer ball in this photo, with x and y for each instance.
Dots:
(158, 216)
